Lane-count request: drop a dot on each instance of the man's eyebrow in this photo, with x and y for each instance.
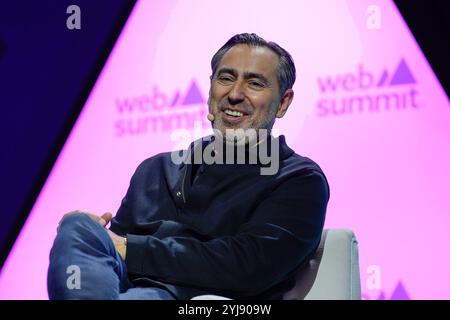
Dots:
(227, 70)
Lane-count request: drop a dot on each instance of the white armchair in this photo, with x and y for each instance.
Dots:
(331, 274)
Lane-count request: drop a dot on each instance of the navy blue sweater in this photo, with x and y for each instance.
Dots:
(230, 231)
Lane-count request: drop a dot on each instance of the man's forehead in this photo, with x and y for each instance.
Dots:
(246, 58)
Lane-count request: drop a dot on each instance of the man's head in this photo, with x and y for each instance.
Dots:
(251, 83)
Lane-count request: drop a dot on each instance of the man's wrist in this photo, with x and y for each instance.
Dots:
(122, 248)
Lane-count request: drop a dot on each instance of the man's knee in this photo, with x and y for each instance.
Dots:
(77, 221)
(79, 227)
(80, 231)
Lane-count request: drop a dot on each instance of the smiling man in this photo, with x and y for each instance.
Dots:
(245, 88)
(207, 227)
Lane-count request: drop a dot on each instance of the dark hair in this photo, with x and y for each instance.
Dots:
(286, 68)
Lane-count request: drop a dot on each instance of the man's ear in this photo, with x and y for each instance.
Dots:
(285, 101)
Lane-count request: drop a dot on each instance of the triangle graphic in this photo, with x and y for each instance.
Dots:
(400, 293)
(194, 95)
(402, 75)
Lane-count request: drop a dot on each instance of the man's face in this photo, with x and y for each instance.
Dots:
(244, 90)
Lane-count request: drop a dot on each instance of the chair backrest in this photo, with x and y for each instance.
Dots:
(333, 272)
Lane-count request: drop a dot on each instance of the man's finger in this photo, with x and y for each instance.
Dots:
(102, 222)
(107, 216)
(105, 219)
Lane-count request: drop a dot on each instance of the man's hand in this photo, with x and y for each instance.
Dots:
(119, 242)
(103, 220)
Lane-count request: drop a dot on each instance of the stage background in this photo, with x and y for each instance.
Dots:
(367, 108)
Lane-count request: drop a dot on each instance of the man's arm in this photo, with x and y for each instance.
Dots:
(283, 231)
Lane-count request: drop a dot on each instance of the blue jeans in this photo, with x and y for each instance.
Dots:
(84, 264)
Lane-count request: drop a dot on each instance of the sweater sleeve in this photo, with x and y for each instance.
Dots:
(282, 232)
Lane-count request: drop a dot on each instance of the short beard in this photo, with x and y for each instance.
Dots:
(267, 125)
(248, 136)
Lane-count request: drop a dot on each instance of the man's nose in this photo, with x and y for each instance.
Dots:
(236, 95)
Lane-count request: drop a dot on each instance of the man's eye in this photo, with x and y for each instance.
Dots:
(256, 84)
(225, 79)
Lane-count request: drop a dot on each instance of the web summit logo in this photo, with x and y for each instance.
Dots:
(363, 92)
(399, 293)
(159, 112)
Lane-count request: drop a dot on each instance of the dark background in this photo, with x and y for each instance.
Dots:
(47, 72)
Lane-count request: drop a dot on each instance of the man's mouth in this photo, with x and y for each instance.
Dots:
(233, 116)
(233, 113)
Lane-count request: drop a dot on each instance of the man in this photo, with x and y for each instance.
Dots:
(221, 227)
